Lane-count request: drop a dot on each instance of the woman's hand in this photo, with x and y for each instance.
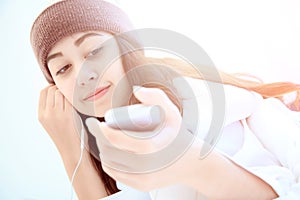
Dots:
(211, 173)
(60, 121)
(153, 161)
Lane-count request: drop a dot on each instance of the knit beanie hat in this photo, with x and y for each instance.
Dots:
(67, 17)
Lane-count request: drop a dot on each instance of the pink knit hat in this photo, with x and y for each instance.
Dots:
(67, 17)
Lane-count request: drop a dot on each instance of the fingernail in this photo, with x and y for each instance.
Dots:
(136, 88)
(90, 121)
(87, 121)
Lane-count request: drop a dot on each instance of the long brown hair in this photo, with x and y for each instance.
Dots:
(131, 59)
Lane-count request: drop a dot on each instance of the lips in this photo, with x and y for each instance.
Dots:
(97, 93)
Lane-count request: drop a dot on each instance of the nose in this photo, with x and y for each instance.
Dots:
(86, 76)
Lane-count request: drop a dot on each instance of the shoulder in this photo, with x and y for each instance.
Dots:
(273, 124)
(199, 85)
(238, 102)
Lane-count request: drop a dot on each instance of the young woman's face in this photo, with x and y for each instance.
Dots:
(87, 69)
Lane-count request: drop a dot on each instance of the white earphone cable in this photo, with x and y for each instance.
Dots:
(80, 158)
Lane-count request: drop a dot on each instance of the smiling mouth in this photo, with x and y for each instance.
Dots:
(97, 94)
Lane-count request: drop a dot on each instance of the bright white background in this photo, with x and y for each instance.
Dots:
(261, 37)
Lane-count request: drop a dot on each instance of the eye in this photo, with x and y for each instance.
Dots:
(63, 69)
(95, 51)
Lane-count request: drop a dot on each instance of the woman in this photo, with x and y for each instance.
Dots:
(69, 40)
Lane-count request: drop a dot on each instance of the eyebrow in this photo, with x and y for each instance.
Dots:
(80, 40)
(77, 42)
(54, 56)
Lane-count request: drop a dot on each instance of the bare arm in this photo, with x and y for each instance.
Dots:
(87, 183)
(274, 125)
(58, 118)
(219, 178)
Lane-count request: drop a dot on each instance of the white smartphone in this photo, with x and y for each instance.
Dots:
(135, 117)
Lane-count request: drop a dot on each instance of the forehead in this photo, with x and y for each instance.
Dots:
(78, 36)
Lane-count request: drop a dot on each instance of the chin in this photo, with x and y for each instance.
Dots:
(101, 110)
(93, 109)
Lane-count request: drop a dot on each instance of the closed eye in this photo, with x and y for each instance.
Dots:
(63, 70)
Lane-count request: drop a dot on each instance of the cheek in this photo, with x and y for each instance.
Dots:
(67, 89)
(122, 89)
(115, 71)
(116, 75)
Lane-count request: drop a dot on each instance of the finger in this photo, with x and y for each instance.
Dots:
(101, 132)
(131, 179)
(152, 96)
(190, 114)
(69, 109)
(67, 105)
(59, 100)
(196, 104)
(119, 139)
(126, 161)
(117, 175)
(126, 140)
(43, 98)
(105, 147)
(93, 126)
(143, 161)
(155, 96)
(51, 96)
(183, 88)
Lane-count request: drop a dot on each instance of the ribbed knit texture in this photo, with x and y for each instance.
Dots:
(67, 17)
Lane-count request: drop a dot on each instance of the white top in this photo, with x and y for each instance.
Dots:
(274, 158)
(273, 155)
